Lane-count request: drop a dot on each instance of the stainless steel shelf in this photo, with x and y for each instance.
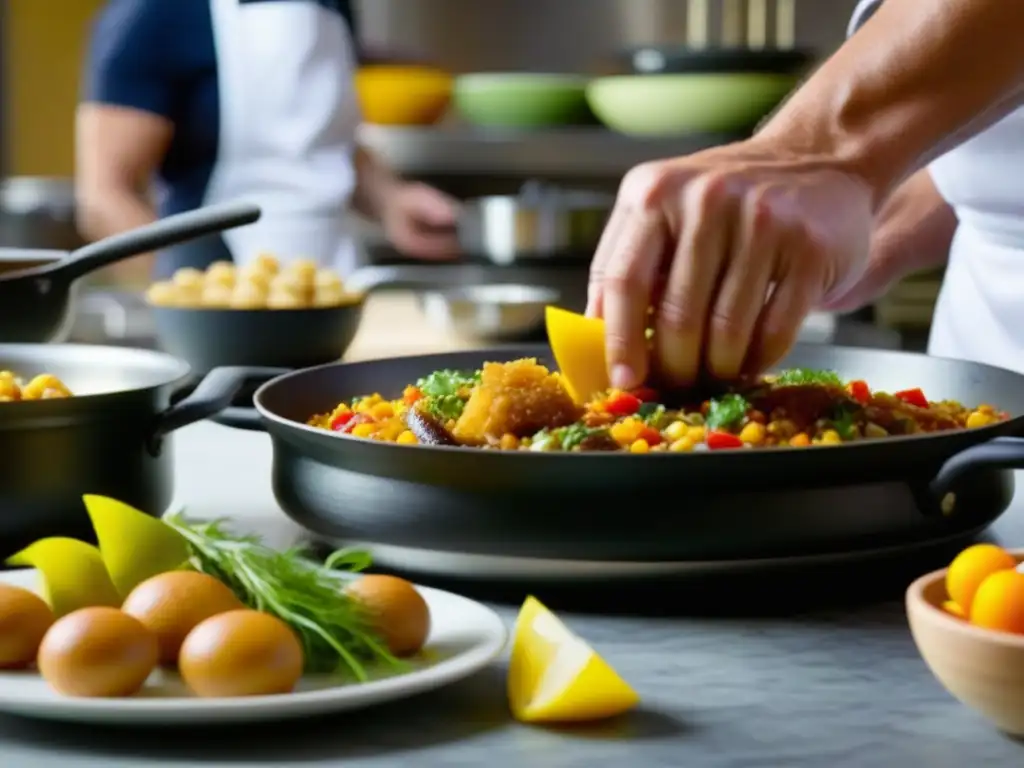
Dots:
(577, 152)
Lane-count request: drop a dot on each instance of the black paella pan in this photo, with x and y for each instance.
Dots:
(720, 505)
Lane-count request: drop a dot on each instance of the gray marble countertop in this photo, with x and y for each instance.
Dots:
(836, 688)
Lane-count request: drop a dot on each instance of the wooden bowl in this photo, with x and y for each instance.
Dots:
(982, 668)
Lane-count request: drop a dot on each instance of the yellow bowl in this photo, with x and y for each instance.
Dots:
(982, 668)
(403, 95)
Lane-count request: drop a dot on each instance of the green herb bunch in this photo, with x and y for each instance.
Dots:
(335, 633)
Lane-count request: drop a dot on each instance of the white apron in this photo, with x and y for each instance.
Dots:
(980, 312)
(288, 116)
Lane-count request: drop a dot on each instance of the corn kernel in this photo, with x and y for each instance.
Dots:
(800, 440)
(364, 430)
(382, 411)
(979, 419)
(753, 433)
(676, 430)
(9, 390)
(682, 445)
(830, 437)
(988, 409)
(406, 438)
(783, 428)
(639, 446)
(626, 431)
(697, 434)
(508, 442)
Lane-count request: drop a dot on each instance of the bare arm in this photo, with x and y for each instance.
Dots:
(374, 183)
(118, 151)
(913, 232)
(917, 79)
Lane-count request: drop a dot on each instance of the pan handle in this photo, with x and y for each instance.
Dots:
(160, 234)
(998, 453)
(211, 396)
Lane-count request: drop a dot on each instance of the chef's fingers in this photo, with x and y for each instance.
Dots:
(626, 296)
(742, 291)
(605, 248)
(798, 287)
(680, 317)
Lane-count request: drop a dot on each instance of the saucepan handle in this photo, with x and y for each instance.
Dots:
(998, 453)
(213, 395)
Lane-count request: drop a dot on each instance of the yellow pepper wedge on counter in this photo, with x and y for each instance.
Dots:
(577, 342)
(555, 677)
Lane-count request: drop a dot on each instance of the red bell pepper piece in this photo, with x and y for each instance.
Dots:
(343, 418)
(359, 418)
(721, 440)
(645, 394)
(859, 391)
(913, 397)
(411, 395)
(622, 404)
(650, 435)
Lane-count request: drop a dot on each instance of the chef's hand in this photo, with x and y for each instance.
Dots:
(420, 221)
(732, 247)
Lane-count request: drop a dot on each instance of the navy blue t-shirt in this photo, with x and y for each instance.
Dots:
(159, 56)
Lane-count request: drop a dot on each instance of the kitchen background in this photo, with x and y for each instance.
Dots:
(44, 42)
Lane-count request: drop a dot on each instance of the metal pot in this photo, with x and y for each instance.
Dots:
(110, 438)
(536, 224)
(38, 212)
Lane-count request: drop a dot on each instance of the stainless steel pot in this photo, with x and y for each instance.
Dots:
(39, 213)
(110, 438)
(493, 313)
(536, 224)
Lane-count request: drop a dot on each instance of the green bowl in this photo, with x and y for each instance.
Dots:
(675, 104)
(519, 100)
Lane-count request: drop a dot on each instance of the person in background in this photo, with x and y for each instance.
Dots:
(906, 146)
(215, 100)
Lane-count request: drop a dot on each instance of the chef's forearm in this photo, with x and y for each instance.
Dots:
(105, 212)
(374, 182)
(915, 227)
(916, 80)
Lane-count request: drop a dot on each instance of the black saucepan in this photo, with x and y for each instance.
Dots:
(110, 438)
(713, 505)
(36, 301)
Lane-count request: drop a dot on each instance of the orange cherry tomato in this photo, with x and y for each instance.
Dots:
(999, 603)
(973, 566)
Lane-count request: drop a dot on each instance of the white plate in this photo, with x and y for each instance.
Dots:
(465, 636)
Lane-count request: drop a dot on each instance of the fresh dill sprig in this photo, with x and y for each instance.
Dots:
(334, 631)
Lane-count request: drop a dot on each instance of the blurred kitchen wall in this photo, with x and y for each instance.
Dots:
(557, 35)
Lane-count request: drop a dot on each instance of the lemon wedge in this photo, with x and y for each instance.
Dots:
(555, 677)
(578, 345)
(71, 574)
(133, 545)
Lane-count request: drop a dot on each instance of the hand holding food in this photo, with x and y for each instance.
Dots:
(263, 284)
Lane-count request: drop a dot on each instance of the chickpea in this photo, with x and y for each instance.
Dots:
(164, 294)
(222, 273)
(268, 263)
(329, 297)
(249, 296)
(280, 298)
(325, 278)
(216, 296)
(187, 277)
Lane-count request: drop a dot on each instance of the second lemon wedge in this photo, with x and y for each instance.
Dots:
(578, 345)
(71, 574)
(134, 546)
(555, 677)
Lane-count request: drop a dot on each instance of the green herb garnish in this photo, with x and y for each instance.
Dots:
(651, 413)
(306, 595)
(726, 411)
(801, 376)
(844, 421)
(445, 392)
(571, 436)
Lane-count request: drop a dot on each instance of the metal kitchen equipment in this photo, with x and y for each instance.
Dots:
(37, 299)
(540, 222)
(737, 505)
(490, 313)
